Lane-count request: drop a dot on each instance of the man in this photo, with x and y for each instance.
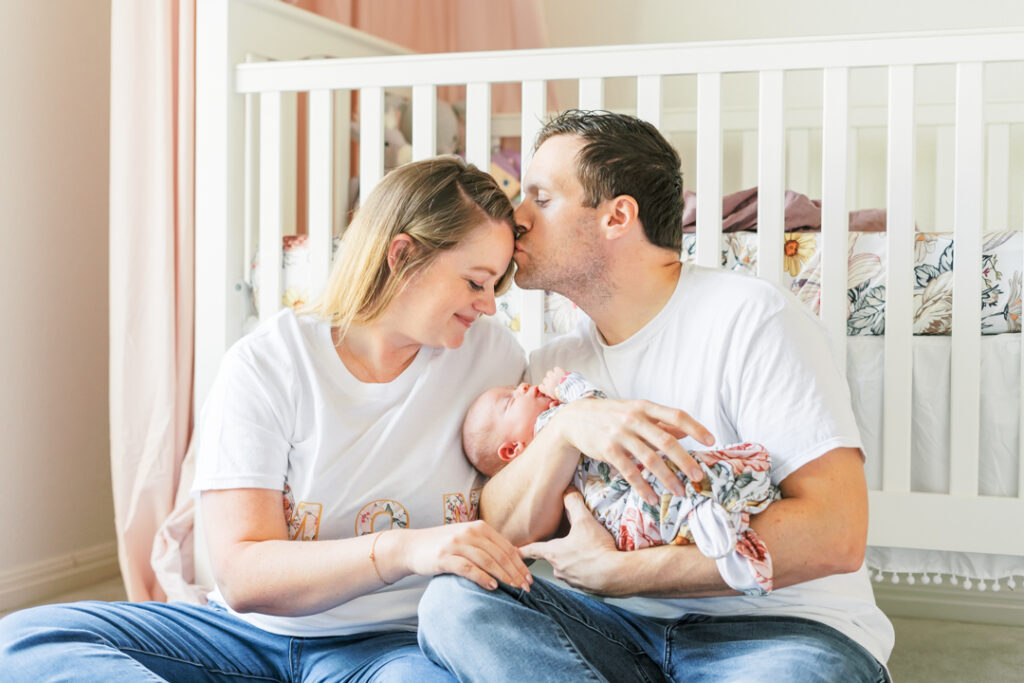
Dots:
(601, 224)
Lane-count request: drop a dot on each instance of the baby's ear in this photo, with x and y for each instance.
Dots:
(509, 450)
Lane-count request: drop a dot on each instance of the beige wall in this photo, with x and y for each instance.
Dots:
(614, 22)
(54, 135)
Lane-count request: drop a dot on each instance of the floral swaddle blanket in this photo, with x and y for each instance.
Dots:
(714, 514)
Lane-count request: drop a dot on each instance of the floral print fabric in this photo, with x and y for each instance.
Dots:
(714, 513)
(933, 277)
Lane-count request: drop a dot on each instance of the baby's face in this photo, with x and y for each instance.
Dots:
(514, 410)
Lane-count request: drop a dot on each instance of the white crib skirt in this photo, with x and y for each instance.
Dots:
(930, 456)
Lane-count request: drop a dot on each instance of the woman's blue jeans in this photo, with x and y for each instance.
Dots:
(154, 641)
(551, 634)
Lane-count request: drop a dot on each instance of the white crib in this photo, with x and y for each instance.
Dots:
(779, 114)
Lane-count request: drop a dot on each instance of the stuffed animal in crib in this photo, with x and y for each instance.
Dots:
(397, 149)
(505, 168)
(446, 121)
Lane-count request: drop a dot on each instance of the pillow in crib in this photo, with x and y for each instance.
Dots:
(933, 278)
(296, 271)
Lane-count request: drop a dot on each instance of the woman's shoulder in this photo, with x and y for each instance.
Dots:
(277, 340)
(489, 336)
(489, 354)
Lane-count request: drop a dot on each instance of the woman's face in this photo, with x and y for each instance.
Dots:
(445, 298)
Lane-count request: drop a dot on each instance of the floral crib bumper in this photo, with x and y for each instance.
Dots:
(933, 277)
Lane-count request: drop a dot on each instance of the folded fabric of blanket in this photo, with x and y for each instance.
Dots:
(739, 212)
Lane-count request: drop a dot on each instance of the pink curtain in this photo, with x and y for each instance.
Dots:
(446, 26)
(151, 279)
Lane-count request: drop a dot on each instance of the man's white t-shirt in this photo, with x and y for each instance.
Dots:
(351, 458)
(750, 363)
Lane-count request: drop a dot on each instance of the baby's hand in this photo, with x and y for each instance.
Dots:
(549, 384)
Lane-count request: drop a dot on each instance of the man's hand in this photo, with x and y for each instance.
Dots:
(585, 557)
(631, 436)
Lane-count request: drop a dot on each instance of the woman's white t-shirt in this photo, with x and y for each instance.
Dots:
(350, 458)
(750, 363)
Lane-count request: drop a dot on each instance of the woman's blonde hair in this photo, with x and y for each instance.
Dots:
(436, 202)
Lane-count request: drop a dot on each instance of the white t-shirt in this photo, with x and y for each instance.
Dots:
(286, 414)
(750, 363)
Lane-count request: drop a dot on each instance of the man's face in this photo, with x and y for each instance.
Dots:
(560, 247)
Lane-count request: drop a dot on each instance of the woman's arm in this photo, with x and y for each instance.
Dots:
(258, 569)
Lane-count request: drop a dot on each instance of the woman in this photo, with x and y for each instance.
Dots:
(339, 425)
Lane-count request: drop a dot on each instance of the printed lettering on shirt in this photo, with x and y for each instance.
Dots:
(303, 519)
(456, 510)
(380, 515)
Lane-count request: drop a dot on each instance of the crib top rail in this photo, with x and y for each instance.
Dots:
(995, 45)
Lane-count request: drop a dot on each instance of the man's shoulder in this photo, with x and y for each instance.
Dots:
(725, 291)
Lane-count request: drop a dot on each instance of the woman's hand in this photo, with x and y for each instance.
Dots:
(631, 436)
(549, 385)
(473, 550)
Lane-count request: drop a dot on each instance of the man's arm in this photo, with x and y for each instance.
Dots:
(524, 500)
(819, 528)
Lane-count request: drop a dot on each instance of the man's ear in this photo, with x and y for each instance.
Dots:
(621, 215)
(509, 450)
(399, 246)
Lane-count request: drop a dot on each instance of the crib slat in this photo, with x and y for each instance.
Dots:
(835, 223)
(289, 161)
(320, 185)
(709, 169)
(648, 99)
(1020, 422)
(969, 169)
(250, 182)
(748, 158)
(899, 359)
(998, 177)
(478, 125)
(852, 196)
(944, 149)
(424, 121)
(591, 93)
(531, 330)
(771, 168)
(271, 205)
(342, 156)
(799, 161)
(371, 139)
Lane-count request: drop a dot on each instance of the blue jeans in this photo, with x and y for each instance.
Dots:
(155, 641)
(551, 634)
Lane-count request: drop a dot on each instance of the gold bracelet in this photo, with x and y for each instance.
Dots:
(373, 558)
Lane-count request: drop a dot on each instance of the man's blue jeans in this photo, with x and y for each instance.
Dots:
(153, 641)
(551, 634)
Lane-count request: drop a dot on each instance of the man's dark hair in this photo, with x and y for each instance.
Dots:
(622, 154)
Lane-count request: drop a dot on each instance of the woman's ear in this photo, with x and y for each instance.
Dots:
(399, 244)
(621, 214)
